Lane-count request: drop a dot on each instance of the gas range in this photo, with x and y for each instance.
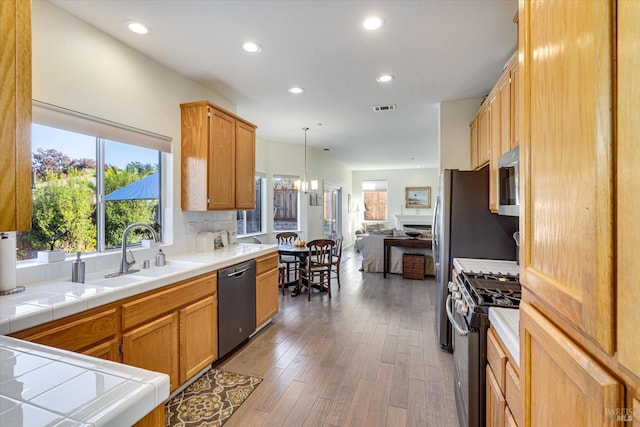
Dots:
(474, 293)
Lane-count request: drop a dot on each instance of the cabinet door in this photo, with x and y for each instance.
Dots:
(222, 161)
(484, 135)
(506, 135)
(473, 143)
(15, 115)
(495, 116)
(198, 337)
(514, 116)
(496, 403)
(628, 186)
(194, 156)
(266, 296)
(154, 346)
(106, 351)
(562, 384)
(568, 163)
(245, 166)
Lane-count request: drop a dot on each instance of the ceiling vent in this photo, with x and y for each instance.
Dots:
(385, 107)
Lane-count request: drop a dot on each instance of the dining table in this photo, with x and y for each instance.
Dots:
(301, 252)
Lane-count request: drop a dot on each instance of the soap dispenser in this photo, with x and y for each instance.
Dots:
(77, 269)
(160, 259)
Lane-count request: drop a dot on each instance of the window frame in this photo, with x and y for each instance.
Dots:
(375, 186)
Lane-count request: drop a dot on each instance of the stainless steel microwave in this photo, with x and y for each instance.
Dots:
(508, 183)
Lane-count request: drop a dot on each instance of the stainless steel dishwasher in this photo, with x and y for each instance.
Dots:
(236, 305)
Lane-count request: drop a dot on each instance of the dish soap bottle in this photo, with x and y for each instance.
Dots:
(77, 269)
(160, 259)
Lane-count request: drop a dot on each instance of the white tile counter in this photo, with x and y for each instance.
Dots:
(47, 301)
(506, 324)
(473, 265)
(41, 385)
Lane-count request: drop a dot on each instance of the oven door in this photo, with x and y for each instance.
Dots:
(462, 340)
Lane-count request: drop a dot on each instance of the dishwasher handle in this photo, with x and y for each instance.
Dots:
(238, 273)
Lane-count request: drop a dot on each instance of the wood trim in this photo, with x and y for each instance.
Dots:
(496, 358)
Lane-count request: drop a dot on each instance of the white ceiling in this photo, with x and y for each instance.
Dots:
(438, 50)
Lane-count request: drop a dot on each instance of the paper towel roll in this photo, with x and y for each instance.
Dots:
(7, 263)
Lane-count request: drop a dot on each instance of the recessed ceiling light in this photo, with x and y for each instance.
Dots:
(383, 78)
(373, 23)
(296, 89)
(137, 27)
(252, 47)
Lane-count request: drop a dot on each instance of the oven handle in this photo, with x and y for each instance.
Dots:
(459, 330)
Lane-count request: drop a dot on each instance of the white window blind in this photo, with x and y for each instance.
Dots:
(74, 121)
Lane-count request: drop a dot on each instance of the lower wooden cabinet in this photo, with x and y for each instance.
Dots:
(154, 346)
(95, 332)
(563, 385)
(198, 337)
(267, 300)
(502, 396)
(496, 403)
(173, 330)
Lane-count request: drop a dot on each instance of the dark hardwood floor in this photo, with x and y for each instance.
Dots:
(367, 357)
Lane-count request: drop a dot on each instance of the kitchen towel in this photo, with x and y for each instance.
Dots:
(7, 262)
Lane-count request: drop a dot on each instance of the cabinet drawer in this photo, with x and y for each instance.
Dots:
(497, 358)
(266, 263)
(512, 393)
(77, 332)
(164, 301)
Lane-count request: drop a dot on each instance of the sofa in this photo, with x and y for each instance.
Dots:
(371, 247)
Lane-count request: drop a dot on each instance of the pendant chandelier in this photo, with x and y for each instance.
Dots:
(305, 185)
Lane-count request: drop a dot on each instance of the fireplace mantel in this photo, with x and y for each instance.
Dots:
(402, 220)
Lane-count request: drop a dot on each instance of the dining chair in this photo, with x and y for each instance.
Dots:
(336, 255)
(316, 272)
(288, 237)
(282, 276)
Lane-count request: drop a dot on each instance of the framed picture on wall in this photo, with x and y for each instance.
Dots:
(417, 197)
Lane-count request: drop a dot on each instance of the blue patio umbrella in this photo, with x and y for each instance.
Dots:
(147, 188)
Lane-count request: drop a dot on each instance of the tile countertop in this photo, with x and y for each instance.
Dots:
(41, 385)
(472, 265)
(47, 301)
(506, 323)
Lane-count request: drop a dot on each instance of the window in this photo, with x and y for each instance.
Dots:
(286, 205)
(332, 208)
(252, 222)
(86, 189)
(374, 195)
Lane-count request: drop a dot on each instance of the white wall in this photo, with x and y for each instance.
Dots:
(397, 180)
(455, 116)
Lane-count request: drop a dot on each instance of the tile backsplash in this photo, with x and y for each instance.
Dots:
(178, 238)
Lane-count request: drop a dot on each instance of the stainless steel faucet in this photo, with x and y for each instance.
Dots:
(124, 262)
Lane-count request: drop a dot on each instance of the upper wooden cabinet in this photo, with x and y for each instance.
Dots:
(628, 186)
(568, 164)
(218, 159)
(15, 115)
(473, 133)
(484, 135)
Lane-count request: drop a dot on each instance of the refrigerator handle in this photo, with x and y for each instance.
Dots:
(434, 233)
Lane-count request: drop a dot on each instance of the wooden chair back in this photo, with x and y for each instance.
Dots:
(286, 237)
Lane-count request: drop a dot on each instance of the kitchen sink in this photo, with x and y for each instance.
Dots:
(171, 267)
(116, 282)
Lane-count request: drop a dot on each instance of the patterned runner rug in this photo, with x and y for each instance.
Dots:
(210, 400)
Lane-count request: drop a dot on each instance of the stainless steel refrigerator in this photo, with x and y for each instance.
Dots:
(463, 227)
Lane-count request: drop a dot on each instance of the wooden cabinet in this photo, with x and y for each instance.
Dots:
(173, 330)
(154, 346)
(563, 384)
(503, 385)
(473, 133)
(568, 166)
(514, 105)
(198, 337)
(267, 299)
(495, 134)
(15, 115)
(218, 159)
(496, 403)
(95, 332)
(628, 186)
(484, 135)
